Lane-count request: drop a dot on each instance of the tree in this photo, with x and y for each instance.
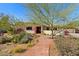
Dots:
(20, 24)
(4, 23)
(46, 14)
(73, 24)
(7, 23)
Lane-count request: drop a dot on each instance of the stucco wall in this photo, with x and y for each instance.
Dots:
(47, 32)
(71, 30)
(30, 31)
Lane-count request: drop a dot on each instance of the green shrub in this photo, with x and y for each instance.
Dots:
(23, 37)
(17, 38)
(27, 38)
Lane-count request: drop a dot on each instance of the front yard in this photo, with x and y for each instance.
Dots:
(67, 45)
(10, 49)
(17, 43)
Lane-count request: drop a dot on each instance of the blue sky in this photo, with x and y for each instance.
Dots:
(13, 9)
(18, 10)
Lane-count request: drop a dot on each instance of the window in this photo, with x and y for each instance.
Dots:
(46, 28)
(29, 28)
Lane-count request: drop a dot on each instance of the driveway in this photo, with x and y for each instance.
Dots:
(41, 48)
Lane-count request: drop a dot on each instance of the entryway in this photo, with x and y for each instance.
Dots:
(38, 29)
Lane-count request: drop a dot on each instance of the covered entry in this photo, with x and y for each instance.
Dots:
(38, 29)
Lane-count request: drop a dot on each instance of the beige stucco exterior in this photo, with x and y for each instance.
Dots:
(47, 32)
(30, 31)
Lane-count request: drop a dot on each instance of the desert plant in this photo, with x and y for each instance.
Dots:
(17, 37)
(48, 14)
(68, 46)
(27, 38)
(4, 39)
(22, 38)
(17, 49)
(31, 44)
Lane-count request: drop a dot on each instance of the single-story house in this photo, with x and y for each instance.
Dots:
(35, 28)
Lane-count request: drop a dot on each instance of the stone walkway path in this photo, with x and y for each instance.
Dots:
(41, 48)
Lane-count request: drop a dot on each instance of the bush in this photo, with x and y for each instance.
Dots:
(27, 38)
(31, 44)
(22, 38)
(4, 39)
(68, 46)
(17, 49)
(17, 37)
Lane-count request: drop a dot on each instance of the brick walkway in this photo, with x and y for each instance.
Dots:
(41, 48)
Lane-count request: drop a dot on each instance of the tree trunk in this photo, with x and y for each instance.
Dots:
(52, 33)
(51, 27)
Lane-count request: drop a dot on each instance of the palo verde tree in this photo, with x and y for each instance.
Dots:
(7, 22)
(4, 23)
(46, 14)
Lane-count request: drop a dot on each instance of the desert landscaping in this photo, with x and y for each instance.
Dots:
(47, 30)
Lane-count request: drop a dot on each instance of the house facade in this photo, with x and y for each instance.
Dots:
(32, 28)
(37, 29)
